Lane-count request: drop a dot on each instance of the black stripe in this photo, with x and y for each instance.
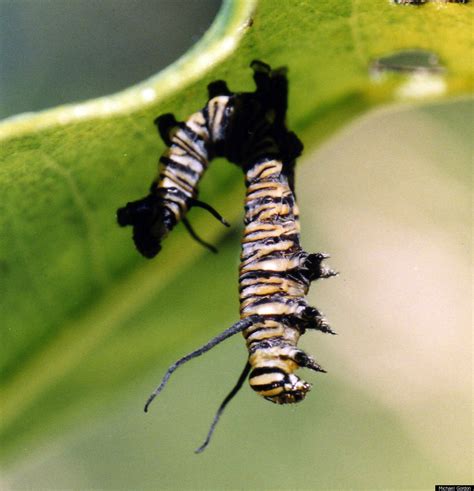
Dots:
(291, 274)
(270, 233)
(269, 200)
(172, 164)
(262, 201)
(275, 239)
(270, 255)
(198, 140)
(177, 142)
(191, 150)
(265, 370)
(173, 178)
(191, 134)
(275, 221)
(266, 202)
(275, 218)
(178, 180)
(249, 252)
(289, 321)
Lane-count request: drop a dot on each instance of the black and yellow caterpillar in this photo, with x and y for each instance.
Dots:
(275, 276)
(275, 273)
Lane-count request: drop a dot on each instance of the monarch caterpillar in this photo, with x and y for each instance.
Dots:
(174, 192)
(275, 273)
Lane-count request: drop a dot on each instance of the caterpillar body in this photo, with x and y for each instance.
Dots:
(275, 273)
(174, 192)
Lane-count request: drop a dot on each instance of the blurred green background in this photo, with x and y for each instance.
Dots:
(390, 199)
(54, 52)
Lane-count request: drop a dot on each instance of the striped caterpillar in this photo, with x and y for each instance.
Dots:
(275, 273)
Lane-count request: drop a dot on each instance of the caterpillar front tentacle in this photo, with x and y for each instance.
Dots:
(210, 209)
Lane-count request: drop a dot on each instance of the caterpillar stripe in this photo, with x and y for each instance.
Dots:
(275, 272)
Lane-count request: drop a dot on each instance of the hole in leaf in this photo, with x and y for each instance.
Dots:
(407, 61)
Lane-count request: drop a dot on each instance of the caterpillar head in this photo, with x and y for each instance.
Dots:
(277, 386)
(151, 222)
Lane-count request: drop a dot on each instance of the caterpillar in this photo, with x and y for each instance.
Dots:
(174, 191)
(275, 272)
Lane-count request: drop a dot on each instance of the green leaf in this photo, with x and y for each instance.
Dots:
(72, 283)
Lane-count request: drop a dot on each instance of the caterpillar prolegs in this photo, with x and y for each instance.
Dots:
(275, 272)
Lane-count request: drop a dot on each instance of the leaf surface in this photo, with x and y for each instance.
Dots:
(71, 279)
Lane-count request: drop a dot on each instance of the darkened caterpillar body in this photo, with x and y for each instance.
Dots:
(231, 126)
(275, 273)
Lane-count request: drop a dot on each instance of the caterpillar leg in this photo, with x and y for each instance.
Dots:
(223, 405)
(306, 361)
(263, 76)
(165, 124)
(314, 319)
(314, 269)
(217, 88)
(291, 146)
(237, 327)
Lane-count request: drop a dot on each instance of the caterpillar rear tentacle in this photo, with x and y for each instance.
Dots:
(237, 327)
(228, 398)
